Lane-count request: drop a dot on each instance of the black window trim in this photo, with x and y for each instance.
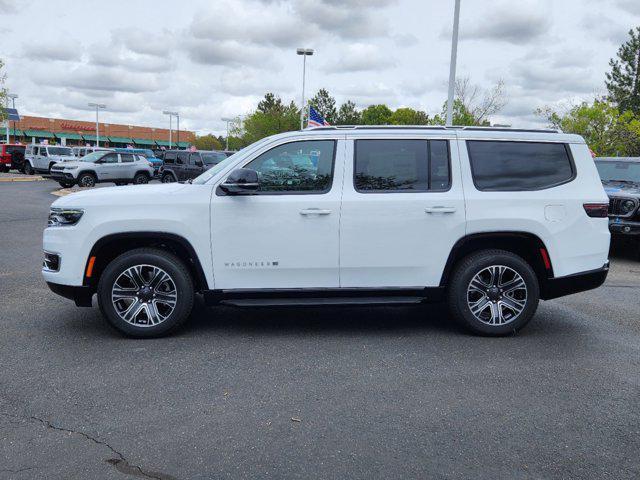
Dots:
(221, 193)
(428, 190)
(547, 187)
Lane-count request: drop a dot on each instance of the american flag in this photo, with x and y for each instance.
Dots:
(315, 119)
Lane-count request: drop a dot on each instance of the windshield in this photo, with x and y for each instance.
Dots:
(229, 160)
(621, 171)
(59, 151)
(92, 157)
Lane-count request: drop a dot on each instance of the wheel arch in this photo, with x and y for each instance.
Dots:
(109, 247)
(143, 172)
(527, 245)
(171, 172)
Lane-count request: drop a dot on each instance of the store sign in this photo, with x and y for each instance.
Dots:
(77, 126)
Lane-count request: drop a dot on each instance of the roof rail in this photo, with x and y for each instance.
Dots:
(437, 127)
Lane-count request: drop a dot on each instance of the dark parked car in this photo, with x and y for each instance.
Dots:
(181, 165)
(621, 179)
(11, 156)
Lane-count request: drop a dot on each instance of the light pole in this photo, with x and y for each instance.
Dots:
(13, 97)
(98, 107)
(452, 63)
(228, 120)
(171, 114)
(305, 52)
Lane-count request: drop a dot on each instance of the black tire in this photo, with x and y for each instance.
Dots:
(4, 169)
(28, 169)
(461, 295)
(140, 179)
(150, 258)
(168, 178)
(49, 169)
(65, 184)
(87, 180)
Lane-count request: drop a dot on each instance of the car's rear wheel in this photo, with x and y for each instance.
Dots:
(87, 180)
(493, 292)
(140, 178)
(146, 293)
(4, 169)
(168, 178)
(28, 169)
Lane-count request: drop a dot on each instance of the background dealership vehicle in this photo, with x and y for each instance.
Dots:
(120, 168)
(621, 179)
(180, 165)
(11, 156)
(147, 153)
(82, 151)
(486, 219)
(40, 158)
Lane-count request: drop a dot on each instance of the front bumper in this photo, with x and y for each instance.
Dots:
(80, 295)
(578, 282)
(621, 226)
(61, 176)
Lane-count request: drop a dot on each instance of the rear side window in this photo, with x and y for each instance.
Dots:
(126, 157)
(183, 157)
(401, 166)
(169, 157)
(514, 166)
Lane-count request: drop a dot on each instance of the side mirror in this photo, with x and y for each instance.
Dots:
(242, 181)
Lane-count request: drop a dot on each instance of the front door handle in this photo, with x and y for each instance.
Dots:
(440, 209)
(314, 211)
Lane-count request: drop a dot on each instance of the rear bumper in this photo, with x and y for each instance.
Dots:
(80, 295)
(578, 282)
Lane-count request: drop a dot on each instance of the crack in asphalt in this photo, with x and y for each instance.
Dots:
(120, 463)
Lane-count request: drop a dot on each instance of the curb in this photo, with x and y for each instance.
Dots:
(34, 178)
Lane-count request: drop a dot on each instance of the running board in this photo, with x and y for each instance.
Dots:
(320, 297)
(286, 302)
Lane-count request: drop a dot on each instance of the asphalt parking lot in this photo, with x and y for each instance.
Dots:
(312, 393)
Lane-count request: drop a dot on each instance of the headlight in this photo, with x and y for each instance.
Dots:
(63, 217)
(627, 206)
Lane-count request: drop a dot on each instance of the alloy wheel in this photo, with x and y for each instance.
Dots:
(497, 295)
(144, 295)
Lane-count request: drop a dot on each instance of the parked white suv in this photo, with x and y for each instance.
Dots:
(40, 158)
(103, 166)
(490, 220)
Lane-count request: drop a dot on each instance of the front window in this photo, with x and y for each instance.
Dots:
(92, 157)
(618, 171)
(60, 151)
(296, 167)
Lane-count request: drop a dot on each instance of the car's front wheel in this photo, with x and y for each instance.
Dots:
(146, 292)
(87, 180)
(65, 184)
(168, 178)
(493, 292)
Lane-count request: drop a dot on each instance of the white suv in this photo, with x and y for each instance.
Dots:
(40, 158)
(490, 220)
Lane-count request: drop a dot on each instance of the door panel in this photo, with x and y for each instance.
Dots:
(281, 239)
(109, 169)
(399, 238)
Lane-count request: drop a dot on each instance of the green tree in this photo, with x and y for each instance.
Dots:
(409, 116)
(325, 105)
(623, 82)
(207, 142)
(461, 116)
(605, 129)
(376, 115)
(271, 117)
(3, 93)
(348, 114)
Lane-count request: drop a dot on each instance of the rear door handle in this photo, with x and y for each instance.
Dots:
(440, 209)
(314, 211)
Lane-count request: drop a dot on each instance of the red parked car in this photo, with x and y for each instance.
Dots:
(11, 156)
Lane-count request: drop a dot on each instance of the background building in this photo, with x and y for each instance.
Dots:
(78, 132)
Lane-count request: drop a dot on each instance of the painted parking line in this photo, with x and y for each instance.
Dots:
(29, 178)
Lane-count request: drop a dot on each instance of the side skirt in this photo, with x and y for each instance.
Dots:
(322, 296)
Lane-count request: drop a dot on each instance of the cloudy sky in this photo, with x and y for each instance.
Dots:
(215, 58)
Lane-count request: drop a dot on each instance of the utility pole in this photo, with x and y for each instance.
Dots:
(98, 107)
(305, 52)
(452, 63)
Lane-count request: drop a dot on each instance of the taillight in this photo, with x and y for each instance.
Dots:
(597, 210)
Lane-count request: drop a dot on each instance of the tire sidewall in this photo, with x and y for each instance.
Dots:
(466, 272)
(171, 265)
(80, 183)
